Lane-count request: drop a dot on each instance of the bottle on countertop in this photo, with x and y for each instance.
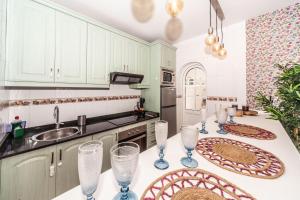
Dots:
(17, 127)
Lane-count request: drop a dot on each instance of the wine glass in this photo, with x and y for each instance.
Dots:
(189, 136)
(90, 156)
(124, 161)
(222, 118)
(203, 121)
(217, 110)
(161, 134)
(231, 113)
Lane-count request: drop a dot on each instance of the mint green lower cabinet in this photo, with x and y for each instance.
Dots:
(27, 176)
(109, 139)
(67, 165)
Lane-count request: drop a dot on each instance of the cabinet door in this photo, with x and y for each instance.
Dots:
(144, 63)
(27, 176)
(98, 55)
(109, 139)
(71, 44)
(131, 57)
(67, 165)
(116, 55)
(30, 42)
(171, 58)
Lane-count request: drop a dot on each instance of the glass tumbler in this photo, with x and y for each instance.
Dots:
(222, 118)
(161, 135)
(189, 136)
(90, 156)
(124, 161)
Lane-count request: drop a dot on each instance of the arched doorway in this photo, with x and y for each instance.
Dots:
(192, 87)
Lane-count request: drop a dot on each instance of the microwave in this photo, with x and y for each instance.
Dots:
(167, 78)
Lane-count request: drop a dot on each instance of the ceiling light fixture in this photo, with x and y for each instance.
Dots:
(216, 46)
(174, 7)
(222, 52)
(210, 38)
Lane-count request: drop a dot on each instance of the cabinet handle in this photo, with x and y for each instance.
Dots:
(52, 158)
(51, 72)
(123, 67)
(58, 73)
(60, 158)
(52, 168)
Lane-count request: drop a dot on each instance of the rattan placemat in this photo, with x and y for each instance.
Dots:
(240, 157)
(249, 131)
(193, 184)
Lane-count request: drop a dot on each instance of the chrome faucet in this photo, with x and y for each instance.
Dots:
(56, 117)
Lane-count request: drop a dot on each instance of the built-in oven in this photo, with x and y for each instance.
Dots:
(137, 134)
(167, 78)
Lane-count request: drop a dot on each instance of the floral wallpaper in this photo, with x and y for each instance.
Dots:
(271, 38)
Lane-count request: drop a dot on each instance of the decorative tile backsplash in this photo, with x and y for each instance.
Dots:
(271, 38)
(27, 102)
(217, 98)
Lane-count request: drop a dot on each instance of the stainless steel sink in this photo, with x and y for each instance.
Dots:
(55, 134)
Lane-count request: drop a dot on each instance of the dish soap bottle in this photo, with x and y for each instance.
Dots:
(17, 129)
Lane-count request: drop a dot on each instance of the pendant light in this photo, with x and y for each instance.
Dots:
(222, 52)
(210, 38)
(216, 46)
(174, 7)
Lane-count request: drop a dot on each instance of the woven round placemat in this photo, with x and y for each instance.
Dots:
(241, 158)
(193, 184)
(249, 131)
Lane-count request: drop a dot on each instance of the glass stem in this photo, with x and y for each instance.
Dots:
(124, 191)
(189, 154)
(231, 119)
(90, 197)
(161, 153)
(222, 127)
(203, 126)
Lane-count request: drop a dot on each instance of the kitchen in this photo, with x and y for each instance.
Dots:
(75, 72)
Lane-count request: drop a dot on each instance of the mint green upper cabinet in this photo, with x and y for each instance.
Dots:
(98, 55)
(168, 57)
(27, 176)
(144, 63)
(30, 42)
(130, 56)
(71, 44)
(116, 55)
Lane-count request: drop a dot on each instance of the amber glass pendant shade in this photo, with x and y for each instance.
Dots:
(222, 52)
(210, 38)
(174, 7)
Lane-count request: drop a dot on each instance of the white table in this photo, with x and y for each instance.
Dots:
(285, 187)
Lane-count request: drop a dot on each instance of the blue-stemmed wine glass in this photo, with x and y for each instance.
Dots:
(90, 156)
(222, 118)
(231, 113)
(124, 161)
(189, 136)
(161, 135)
(203, 121)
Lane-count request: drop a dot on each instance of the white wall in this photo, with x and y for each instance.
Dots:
(224, 77)
(36, 115)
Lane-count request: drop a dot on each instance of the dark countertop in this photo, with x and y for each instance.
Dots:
(95, 125)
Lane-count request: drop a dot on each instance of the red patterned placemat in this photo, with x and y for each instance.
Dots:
(240, 157)
(249, 131)
(193, 184)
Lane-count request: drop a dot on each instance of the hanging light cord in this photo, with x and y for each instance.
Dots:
(222, 31)
(210, 13)
(217, 23)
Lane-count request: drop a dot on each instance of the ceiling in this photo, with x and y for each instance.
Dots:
(194, 18)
